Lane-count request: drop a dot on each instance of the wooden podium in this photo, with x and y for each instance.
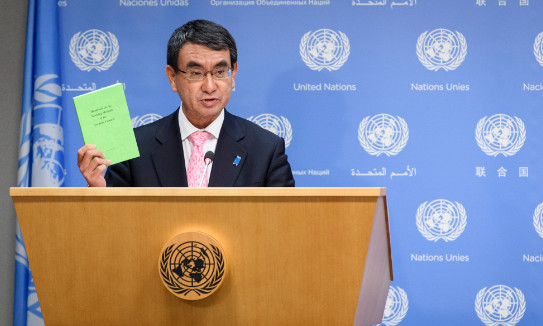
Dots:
(296, 256)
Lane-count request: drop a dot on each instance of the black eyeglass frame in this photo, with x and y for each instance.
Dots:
(213, 74)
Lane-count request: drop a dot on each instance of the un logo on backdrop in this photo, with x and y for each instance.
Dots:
(396, 306)
(383, 134)
(48, 146)
(278, 125)
(538, 219)
(538, 48)
(500, 305)
(441, 49)
(138, 121)
(441, 219)
(325, 49)
(500, 134)
(94, 49)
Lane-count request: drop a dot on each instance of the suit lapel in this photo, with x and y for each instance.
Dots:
(225, 172)
(168, 158)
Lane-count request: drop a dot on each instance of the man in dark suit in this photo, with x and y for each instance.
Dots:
(201, 68)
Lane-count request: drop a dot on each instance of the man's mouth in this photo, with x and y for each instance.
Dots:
(209, 101)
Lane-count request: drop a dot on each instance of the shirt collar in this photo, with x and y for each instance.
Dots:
(188, 128)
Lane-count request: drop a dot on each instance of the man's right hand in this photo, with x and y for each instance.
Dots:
(92, 165)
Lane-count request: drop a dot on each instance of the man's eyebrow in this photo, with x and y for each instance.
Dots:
(193, 64)
(223, 63)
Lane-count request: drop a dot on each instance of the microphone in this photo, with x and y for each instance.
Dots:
(208, 159)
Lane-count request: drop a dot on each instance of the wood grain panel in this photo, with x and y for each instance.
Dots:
(295, 259)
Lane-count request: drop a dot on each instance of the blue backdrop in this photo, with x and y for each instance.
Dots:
(439, 101)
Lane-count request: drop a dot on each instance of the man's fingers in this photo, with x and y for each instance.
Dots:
(98, 172)
(95, 168)
(88, 150)
(81, 152)
(96, 177)
(96, 161)
(100, 169)
(92, 165)
(88, 157)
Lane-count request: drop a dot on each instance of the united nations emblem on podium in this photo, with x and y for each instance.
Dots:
(192, 265)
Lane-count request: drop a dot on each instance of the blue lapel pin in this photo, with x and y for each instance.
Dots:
(236, 161)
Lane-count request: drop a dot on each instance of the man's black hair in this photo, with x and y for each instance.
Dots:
(202, 32)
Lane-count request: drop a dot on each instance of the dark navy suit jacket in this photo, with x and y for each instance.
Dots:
(161, 163)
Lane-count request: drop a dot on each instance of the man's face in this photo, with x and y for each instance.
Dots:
(204, 99)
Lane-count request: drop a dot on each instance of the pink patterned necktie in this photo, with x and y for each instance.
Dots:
(196, 161)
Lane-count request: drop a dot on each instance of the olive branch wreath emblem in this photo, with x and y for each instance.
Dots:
(104, 66)
(288, 129)
(538, 48)
(209, 286)
(538, 217)
(139, 121)
(393, 151)
(404, 306)
(340, 62)
(286, 126)
(491, 152)
(451, 237)
(453, 65)
(489, 322)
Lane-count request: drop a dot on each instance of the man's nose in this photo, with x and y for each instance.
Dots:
(209, 83)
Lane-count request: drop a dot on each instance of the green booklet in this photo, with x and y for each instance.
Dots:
(105, 122)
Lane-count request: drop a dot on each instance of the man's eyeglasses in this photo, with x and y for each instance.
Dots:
(199, 73)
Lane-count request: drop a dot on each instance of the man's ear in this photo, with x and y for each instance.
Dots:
(170, 74)
(234, 73)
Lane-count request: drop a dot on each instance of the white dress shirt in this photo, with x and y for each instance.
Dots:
(210, 144)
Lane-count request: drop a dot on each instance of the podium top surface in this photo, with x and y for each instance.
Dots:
(198, 192)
